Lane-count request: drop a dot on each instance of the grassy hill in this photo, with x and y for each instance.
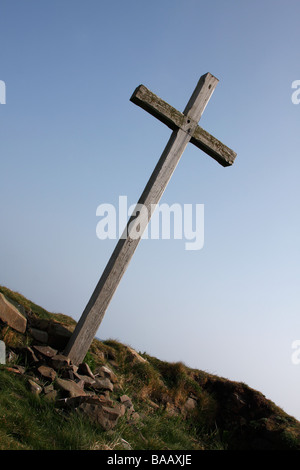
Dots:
(175, 407)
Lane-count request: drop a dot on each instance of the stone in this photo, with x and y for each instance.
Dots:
(86, 379)
(106, 416)
(105, 372)
(34, 387)
(190, 404)
(47, 372)
(2, 352)
(39, 335)
(67, 373)
(21, 369)
(80, 384)
(58, 335)
(11, 356)
(49, 392)
(30, 355)
(74, 402)
(102, 384)
(68, 403)
(104, 394)
(44, 351)
(122, 410)
(10, 315)
(13, 369)
(127, 406)
(51, 396)
(59, 361)
(70, 388)
(38, 323)
(48, 388)
(84, 369)
(126, 401)
(135, 357)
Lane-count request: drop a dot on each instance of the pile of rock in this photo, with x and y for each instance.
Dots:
(52, 374)
(75, 387)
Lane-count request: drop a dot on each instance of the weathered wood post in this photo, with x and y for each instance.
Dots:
(185, 129)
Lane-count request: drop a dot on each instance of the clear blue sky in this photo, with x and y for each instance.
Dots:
(71, 140)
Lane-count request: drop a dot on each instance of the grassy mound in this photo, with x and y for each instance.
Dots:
(179, 408)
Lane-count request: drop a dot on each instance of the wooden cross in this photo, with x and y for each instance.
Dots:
(185, 129)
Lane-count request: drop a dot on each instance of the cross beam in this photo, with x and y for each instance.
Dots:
(175, 119)
(185, 129)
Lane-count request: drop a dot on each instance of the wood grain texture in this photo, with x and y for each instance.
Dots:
(213, 147)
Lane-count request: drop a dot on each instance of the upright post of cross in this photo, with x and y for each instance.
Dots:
(185, 129)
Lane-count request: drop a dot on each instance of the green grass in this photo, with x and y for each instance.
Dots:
(31, 422)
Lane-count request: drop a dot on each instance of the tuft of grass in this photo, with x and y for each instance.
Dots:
(29, 421)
